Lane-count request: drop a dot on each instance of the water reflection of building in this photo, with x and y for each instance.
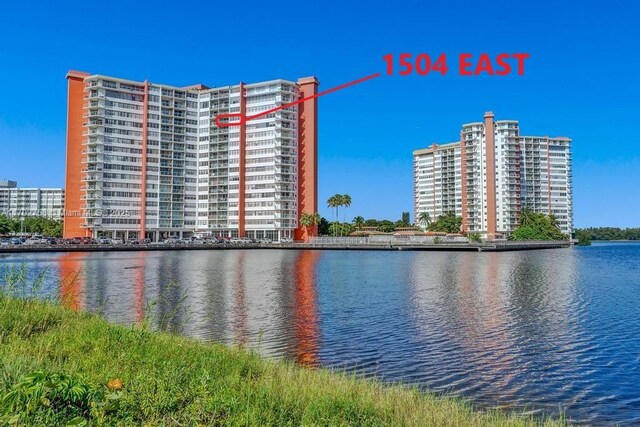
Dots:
(262, 299)
(484, 316)
(70, 267)
(306, 325)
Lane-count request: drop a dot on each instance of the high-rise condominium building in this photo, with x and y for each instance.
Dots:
(491, 173)
(25, 202)
(147, 160)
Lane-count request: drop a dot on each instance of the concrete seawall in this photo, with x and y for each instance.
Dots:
(469, 247)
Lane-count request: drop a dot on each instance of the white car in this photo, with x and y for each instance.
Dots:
(103, 241)
(33, 241)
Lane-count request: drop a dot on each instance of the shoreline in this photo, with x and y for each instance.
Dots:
(467, 247)
(159, 378)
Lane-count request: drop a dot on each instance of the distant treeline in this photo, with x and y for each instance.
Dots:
(611, 233)
(30, 225)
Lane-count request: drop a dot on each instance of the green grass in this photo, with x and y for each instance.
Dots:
(55, 365)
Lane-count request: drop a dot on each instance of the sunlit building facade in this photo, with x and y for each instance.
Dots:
(30, 202)
(491, 174)
(147, 160)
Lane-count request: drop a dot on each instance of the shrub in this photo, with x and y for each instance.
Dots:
(474, 237)
(42, 396)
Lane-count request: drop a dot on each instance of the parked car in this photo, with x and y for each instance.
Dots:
(133, 242)
(15, 241)
(4, 242)
(187, 240)
(103, 241)
(117, 241)
(172, 241)
(286, 240)
(265, 240)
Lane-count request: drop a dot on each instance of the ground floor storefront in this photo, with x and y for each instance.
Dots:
(158, 235)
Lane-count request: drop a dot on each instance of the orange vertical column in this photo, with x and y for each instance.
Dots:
(143, 182)
(433, 172)
(490, 153)
(307, 330)
(307, 154)
(73, 174)
(548, 175)
(72, 280)
(241, 163)
(463, 183)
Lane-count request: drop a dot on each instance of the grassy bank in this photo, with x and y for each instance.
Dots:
(59, 366)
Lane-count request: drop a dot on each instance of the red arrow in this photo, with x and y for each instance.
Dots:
(243, 119)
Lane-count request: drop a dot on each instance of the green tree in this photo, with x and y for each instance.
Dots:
(447, 223)
(53, 229)
(584, 239)
(406, 218)
(424, 219)
(611, 233)
(323, 227)
(32, 224)
(474, 237)
(306, 220)
(345, 201)
(316, 218)
(5, 224)
(334, 203)
(536, 226)
(527, 217)
(358, 222)
(340, 229)
(386, 226)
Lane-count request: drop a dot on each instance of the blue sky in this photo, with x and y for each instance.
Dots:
(581, 81)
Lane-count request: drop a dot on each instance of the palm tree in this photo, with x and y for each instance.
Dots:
(553, 220)
(424, 219)
(332, 203)
(345, 200)
(527, 217)
(306, 220)
(358, 222)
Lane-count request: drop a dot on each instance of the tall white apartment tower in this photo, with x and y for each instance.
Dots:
(437, 184)
(147, 160)
(29, 202)
(499, 173)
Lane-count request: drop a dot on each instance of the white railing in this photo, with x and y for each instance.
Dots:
(388, 240)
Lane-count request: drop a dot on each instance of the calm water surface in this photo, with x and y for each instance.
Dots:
(531, 331)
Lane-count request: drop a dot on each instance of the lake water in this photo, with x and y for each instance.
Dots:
(535, 331)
